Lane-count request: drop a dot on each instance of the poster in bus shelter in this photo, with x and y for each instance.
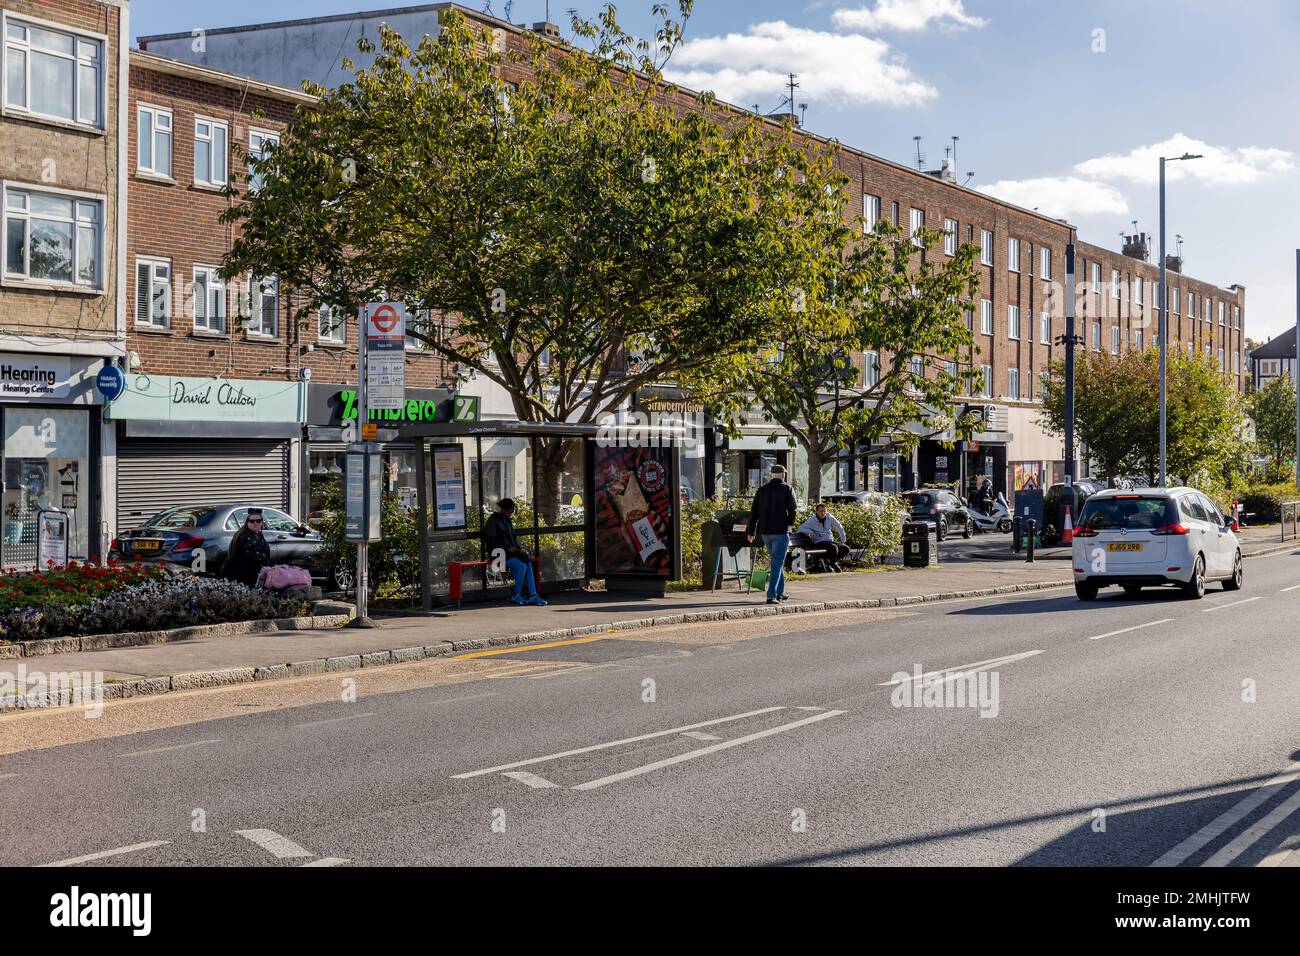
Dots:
(635, 498)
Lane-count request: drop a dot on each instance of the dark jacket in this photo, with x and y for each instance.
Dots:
(774, 509)
(499, 532)
(249, 553)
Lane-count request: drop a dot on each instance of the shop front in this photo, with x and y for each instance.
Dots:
(184, 440)
(53, 453)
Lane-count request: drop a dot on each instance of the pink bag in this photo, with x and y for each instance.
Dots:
(277, 577)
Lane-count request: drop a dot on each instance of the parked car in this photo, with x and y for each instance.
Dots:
(1150, 537)
(174, 535)
(942, 509)
(1083, 489)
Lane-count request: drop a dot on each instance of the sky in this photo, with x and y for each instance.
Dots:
(1060, 106)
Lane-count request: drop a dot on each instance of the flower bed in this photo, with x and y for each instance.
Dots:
(86, 599)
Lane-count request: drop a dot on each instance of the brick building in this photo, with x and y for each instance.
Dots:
(229, 397)
(62, 119)
(1016, 321)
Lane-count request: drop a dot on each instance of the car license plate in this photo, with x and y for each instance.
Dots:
(147, 544)
(1124, 546)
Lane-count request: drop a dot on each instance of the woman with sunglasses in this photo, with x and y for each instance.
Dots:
(249, 552)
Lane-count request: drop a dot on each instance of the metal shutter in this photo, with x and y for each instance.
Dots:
(153, 475)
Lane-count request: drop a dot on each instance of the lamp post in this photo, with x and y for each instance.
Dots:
(1164, 307)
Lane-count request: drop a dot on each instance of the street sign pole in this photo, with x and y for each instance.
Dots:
(363, 416)
(1069, 362)
(1296, 368)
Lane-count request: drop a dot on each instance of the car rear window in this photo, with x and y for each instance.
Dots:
(178, 518)
(1130, 513)
(922, 499)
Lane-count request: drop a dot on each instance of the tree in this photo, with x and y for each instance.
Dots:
(886, 299)
(1117, 413)
(574, 238)
(1272, 409)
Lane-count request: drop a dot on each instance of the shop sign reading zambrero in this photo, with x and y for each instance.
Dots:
(32, 376)
(178, 398)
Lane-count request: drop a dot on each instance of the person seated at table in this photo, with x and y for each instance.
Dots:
(827, 535)
(499, 532)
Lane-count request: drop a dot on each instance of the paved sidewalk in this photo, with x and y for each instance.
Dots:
(502, 619)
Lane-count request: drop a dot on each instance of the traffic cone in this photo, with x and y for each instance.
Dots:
(1067, 536)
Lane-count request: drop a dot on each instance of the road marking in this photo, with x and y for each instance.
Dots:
(810, 708)
(281, 847)
(575, 669)
(6, 776)
(335, 720)
(613, 743)
(163, 750)
(328, 861)
(1229, 818)
(1291, 588)
(1135, 627)
(704, 751)
(104, 854)
(699, 735)
(453, 700)
(1220, 607)
(531, 779)
(1287, 850)
(530, 647)
(1255, 832)
(955, 673)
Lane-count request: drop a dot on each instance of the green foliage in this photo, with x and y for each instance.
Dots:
(584, 236)
(73, 584)
(393, 561)
(1262, 501)
(878, 532)
(1272, 409)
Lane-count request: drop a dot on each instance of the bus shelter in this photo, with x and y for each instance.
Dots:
(589, 505)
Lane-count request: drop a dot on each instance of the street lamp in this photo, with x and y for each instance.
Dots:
(1164, 306)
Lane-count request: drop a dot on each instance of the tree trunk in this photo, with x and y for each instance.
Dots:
(814, 472)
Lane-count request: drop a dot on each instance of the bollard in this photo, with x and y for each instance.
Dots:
(1033, 532)
(1015, 535)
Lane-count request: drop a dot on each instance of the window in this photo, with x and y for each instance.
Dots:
(209, 299)
(1137, 339)
(52, 74)
(1191, 305)
(264, 313)
(1013, 383)
(1269, 366)
(154, 141)
(1096, 276)
(1236, 362)
(53, 237)
(1013, 321)
(331, 325)
(986, 381)
(950, 369)
(153, 292)
(1096, 336)
(1221, 313)
(1176, 297)
(421, 323)
(986, 247)
(210, 139)
(1045, 328)
(1114, 283)
(1236, 316)
(258, 143)
(870, 369)
(916, 365)
(915, 223)
(1013, 255)
(1137, 289)
(870, 212)
(1220, 360)
(1114, 340)
(986, 316)
(1044, 263)
(893, 213)
(950, 237)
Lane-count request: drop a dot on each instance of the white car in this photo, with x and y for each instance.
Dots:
(1150, 537)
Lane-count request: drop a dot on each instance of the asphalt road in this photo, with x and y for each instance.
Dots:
(1125, 732)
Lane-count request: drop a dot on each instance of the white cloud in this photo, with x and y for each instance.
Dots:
(1220, 166)
(1060, 196)
(907, 15)
(750, 67)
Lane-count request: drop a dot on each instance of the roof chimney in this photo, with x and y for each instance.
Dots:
(1174, 263)
(549, 30)
(1136, 246)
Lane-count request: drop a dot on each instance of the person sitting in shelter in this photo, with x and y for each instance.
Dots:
(499, 532)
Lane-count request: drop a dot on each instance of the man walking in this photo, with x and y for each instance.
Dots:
(771, 515)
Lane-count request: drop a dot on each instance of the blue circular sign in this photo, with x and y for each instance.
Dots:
(111, 382)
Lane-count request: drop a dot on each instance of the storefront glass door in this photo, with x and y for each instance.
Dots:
(46, 468)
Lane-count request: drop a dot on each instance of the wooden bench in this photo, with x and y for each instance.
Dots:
(456, 576)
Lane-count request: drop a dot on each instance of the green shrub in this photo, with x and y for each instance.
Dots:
(878, 532)
(1263, 502)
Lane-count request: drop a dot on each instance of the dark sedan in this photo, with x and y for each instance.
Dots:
(942, 509)
(179, 535)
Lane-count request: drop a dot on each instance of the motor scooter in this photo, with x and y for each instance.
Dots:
(998, 519)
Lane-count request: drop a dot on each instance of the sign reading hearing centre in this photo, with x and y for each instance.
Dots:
(176, 398)
(31, 376)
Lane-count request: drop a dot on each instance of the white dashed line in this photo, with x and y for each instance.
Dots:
(531, 780)
(699, 735)
(104, 854)
(1291, 588)
(1135, 627)
(281, 847)
(1220, 607)
(328, 861)
(163, 750)
(335, 720)
(961, 670)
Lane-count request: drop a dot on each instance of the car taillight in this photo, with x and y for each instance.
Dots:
(188, 543)
(1085, 532)
(1171, 529)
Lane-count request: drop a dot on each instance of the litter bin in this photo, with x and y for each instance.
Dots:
(916, 545)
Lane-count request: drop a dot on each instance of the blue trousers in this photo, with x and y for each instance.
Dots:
(777, 545)
(525, 586)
